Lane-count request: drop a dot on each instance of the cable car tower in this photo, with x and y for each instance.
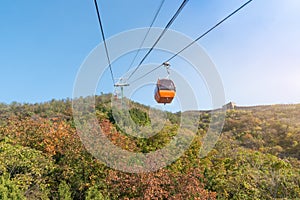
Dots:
(121, 84)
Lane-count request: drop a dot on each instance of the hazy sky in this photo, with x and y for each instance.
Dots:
(256, 52)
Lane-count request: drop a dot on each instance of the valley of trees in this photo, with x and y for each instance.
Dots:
(42, 157)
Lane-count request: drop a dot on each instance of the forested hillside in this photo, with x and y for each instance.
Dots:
(42, 157)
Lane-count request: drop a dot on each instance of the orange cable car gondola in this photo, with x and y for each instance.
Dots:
(165, 91)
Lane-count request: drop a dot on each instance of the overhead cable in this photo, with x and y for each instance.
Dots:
(160, 36)
(193, 42)
(104, 41)
(154, 19)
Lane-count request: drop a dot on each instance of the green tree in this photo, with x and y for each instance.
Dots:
(248, 174)
(27, 168)
(9, 190)
(64, 191)
(94, 193)
(139, 117)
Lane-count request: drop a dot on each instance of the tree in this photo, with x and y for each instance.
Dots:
(248, 174)
(27, 168)
(64, 191)
(9, 190)
(94, 194)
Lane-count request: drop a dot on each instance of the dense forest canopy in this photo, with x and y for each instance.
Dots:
(42, 157)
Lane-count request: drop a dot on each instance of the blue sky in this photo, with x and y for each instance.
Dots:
(43, 44)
